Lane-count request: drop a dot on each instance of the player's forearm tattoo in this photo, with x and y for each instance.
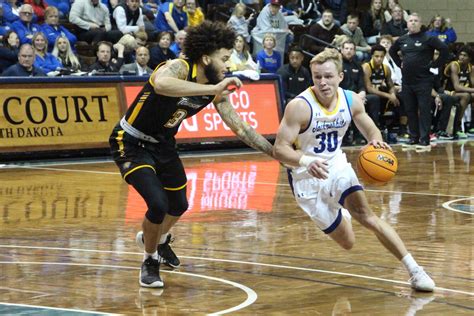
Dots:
(244, 131)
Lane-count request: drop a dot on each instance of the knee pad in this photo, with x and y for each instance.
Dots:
(178, 203)
(155, 217)
(157, 207)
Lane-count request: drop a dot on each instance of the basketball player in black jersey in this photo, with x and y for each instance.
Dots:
(143, 142)
(379, 85)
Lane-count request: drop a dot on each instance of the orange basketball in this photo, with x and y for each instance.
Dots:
(376, 165)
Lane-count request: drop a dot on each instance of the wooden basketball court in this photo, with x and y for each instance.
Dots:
(67, 245)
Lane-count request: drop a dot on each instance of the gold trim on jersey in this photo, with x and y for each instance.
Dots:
(138, 107)
(176, 189)
(194, 73)
(119, 140)
(139, 167)
(336, 108)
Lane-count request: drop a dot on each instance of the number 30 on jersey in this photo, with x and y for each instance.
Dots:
(327, 141)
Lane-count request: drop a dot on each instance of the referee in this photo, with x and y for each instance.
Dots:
(417, 50)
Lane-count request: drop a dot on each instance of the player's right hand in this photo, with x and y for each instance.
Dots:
(319, 169)
(227, 86)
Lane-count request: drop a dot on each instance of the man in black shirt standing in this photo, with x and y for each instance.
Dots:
(417, 50)
(295, 77)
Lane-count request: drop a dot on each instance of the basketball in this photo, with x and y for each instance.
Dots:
(376, 165)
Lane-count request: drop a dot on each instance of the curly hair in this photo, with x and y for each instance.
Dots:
(207, 38)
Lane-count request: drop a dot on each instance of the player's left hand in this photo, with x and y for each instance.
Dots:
(377, 144)
(227, 86)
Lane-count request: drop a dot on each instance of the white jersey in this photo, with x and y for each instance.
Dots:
(323, 136)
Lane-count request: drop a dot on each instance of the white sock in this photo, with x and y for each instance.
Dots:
(147, 255)
(163, 238)
(410, 263)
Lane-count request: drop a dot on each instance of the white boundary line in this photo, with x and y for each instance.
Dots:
(58, 308)
(251, 294)
(446, 205)
(248, 263)
(260, 183)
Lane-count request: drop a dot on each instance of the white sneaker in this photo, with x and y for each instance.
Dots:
(421, 281)
(139, 241)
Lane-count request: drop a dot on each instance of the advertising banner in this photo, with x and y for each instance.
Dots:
(58, 116)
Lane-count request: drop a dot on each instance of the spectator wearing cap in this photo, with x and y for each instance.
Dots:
(295, 77)
(271, 20)
(24, 27)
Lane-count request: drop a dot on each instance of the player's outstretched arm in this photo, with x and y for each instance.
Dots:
(365, 124)
(244, 131)
(170, 80)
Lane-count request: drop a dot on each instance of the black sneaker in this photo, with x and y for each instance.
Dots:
(150, 273)
(444, 136)
(167, 254)
(411, 143)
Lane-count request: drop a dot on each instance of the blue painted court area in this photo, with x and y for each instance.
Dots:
(20, 309)
(468, 208)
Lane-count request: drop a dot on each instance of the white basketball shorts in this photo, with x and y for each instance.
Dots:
(323, 200)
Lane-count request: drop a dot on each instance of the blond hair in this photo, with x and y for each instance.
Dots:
(272, 37)
(328, 54)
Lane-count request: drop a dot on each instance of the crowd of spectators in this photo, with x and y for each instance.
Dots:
(132, 37)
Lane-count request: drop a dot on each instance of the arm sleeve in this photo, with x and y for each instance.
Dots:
(443, 52)
(394, 53)
(452, 37)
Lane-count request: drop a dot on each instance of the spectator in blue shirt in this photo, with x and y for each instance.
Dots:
(63, 6)
(8, 14)
(25, 66)
(24, 27)
(440, 28)
(171, 17)
(177, 46)
(52, 29)
(4, 24)
(269, 60)
(44, 60)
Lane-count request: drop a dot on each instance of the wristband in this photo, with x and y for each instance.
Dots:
(305, 160)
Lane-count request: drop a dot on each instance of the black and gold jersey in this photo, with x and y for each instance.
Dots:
(159, 116)
(378, 76)
(464, 74)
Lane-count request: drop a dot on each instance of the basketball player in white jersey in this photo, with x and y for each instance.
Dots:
(324, 183)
